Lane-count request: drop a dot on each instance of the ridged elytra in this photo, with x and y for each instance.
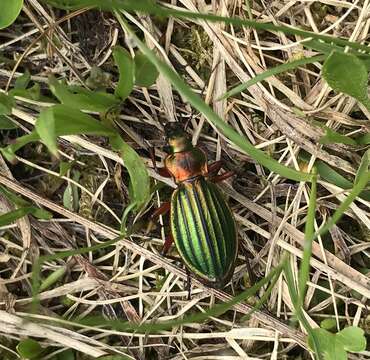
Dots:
(202, 225)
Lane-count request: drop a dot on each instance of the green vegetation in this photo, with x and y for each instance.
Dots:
(97, 286)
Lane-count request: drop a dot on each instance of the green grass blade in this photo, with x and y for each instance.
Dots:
(266, 294)
(304, 271)
(361, 181)
(152, 8)
(14, 215)
(199, 104)
(299, 312)
(53, 278)
(333, 137)
(152, 327)
(13, 198)
(36, 268)
(270, 72)
(214, 311)
(330, 175)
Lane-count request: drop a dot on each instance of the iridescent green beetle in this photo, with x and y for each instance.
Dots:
(202, 225)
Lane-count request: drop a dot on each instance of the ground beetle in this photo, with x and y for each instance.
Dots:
(202, 225)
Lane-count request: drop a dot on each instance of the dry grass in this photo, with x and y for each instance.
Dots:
(127, 281)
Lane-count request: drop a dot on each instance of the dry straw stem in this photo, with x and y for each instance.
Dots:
(111, 234)
(279, 116)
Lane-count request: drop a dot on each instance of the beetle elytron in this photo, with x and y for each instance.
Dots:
(202, 224)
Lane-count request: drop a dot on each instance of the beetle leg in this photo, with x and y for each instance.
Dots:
(215, 167)
(221, 177)
(164, 172)
(167, 244)
(160, 170)
(188, 283)
(165, 207)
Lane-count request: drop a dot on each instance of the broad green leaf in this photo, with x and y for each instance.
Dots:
(23, 81)
(6, 103)
(29, 349)
(145, 72)
(332, 136)
(6, 124)
(126, 68)
(10, 10)
(352, 339)
(62, 120)
(328, 324)
(70, 195)
(326, 342)
(56, 121)
(335, 346)
(45, 127)
(80, 98)
(240, 141)
(33, 93)
(137, 170)
(346, 73)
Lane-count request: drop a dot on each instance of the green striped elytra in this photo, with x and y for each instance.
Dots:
(202, 224)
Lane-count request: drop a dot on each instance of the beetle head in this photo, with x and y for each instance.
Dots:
(177, 137)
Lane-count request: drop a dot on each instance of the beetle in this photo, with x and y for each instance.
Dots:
(202, 224)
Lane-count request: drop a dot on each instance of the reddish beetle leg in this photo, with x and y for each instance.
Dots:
(167, 244)
(214, 168)
(164, 208)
